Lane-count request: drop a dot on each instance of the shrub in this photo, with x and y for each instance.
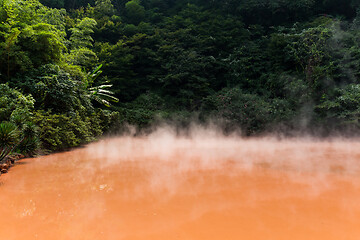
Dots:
(16, 109)
(251, 112)
(62, 131)
(9, 138)
(344, 107)
(14, 105)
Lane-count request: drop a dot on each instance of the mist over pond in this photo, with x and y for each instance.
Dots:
(203, 186)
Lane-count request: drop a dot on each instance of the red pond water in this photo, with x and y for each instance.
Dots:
(163, 187)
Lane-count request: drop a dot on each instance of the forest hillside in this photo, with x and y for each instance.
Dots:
(73, 70)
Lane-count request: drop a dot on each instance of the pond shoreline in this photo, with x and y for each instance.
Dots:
(9, 162)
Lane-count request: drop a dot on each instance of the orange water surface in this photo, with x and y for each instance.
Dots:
(203, 188)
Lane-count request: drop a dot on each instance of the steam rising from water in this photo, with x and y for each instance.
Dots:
(198, 185)
(208, 149)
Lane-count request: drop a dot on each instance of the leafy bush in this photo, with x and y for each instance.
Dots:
(249, 111)
(61, 131)
(18, 110)
(54, 88)
(344, 107)
(14, 105)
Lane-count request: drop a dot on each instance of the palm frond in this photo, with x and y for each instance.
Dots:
(102, 95)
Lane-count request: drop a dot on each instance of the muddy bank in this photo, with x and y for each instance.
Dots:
(9, 161)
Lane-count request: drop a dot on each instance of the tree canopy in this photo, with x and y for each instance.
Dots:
(258, 65)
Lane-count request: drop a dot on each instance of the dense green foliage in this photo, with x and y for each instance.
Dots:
(257, 65)
(251, 64)
(46, 79)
